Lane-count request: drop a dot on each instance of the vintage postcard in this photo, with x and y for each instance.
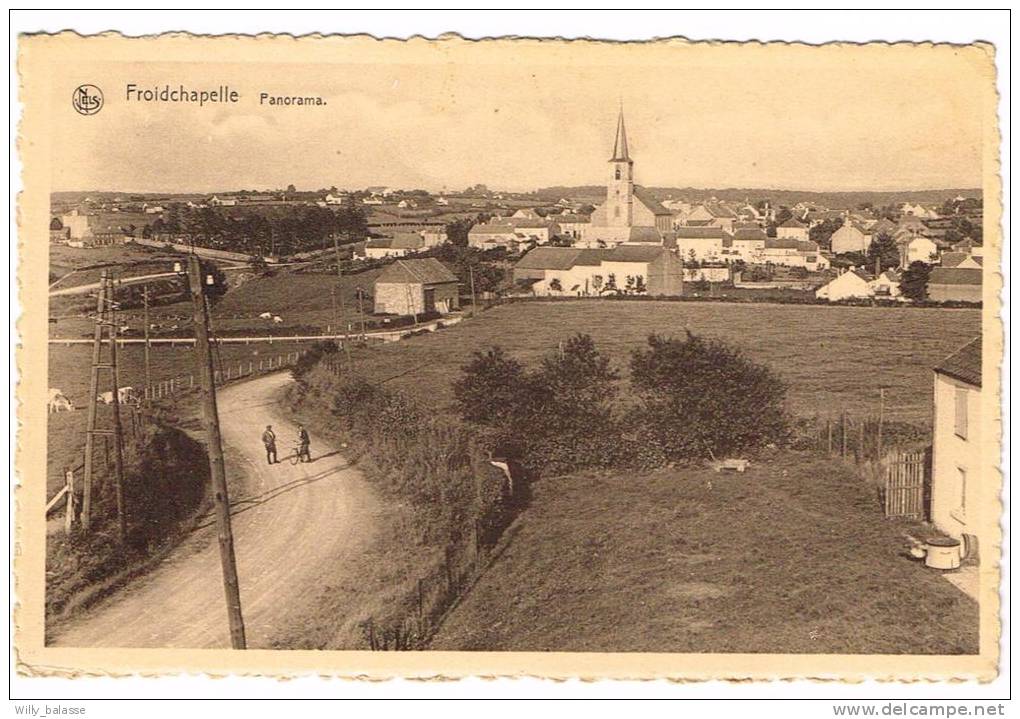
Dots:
(439, 358)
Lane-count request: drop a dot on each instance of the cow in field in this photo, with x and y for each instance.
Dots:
(58, 402)
(125, 395)
(277, 320)
(266, 316)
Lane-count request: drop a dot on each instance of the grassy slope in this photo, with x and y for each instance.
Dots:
(831, 357)
(790, 557)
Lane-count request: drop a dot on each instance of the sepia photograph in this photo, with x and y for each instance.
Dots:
(572, 358)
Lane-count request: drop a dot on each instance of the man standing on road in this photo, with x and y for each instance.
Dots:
(304, 453)
(269, 439)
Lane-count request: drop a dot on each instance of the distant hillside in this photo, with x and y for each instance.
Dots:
(835, 200)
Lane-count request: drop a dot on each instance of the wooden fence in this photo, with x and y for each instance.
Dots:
(905, 474)
(899, 470)
(226, 373)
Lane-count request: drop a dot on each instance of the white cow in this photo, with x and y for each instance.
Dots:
(266, 316)
(277, 320)
(125, 395)
(58, 402)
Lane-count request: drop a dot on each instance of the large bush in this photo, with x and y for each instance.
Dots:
(700, 397)
(556, 417)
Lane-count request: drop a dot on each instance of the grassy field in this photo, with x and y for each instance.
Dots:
(793, 556)
(831, 357)
(133, 260)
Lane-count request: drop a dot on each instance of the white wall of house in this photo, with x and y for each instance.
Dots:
(919, 249)
(955, 448)
(706, 249)
(846, 286)
(375, 253)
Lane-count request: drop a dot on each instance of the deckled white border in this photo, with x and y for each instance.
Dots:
(738, 26)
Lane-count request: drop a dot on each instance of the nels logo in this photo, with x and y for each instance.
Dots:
(87, 99)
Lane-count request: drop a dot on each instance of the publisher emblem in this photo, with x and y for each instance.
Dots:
(87, 99)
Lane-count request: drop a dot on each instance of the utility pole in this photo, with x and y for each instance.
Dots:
(204, 370)
(145, 317)
(340, 291)
(881, 419)
(105, 325)
(471, 271)
(361, 311)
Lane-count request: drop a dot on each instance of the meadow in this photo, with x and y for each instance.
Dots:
(793, 556)
(832, 358)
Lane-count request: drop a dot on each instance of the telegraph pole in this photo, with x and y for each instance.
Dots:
(204, 370)
(148, 371)
(471, 270)
(340, 291)
(118, 435)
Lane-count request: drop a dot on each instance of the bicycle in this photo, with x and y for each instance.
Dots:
(295, 453)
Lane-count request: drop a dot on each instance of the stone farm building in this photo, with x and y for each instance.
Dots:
(585, 272)
(415, 287)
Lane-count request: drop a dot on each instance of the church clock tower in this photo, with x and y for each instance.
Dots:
(620, 189)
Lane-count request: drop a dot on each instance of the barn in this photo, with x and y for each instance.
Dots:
(415, 287)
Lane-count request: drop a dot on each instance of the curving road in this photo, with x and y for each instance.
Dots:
(290, 522)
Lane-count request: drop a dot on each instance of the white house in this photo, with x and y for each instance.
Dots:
(850, 284)
(851, 237)
(793, 253)
(886, 284)
(956, 443)
(704, 244)
(222, 201)
(917, 249)
(491, 235)
(747, 244)
(792, 229)
(400, 245)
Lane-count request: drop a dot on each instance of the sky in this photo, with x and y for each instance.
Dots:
(540, 114)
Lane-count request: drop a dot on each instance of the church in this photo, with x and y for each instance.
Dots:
(630, 215)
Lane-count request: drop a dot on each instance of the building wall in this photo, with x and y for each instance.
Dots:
(398, 298)
(955, 473)
(849, 239)
(843, 287)
(705, 248)
(374, 253)
(792, 233)
(957, 293)
(665, 276)
(447, 296)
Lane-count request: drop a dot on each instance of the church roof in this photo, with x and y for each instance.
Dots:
(620, 152)
(649, 201)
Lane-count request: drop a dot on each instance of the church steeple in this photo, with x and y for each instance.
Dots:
(620, 152)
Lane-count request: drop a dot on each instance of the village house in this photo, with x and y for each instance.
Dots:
(887, 284)
(491, 235)
(332, 199)
(434, 236)
(853, 283)
(956, 444)
(216, 201)
(792, 229)
(746, 243)
(954, 284)
(851, 237)
(915, 248)
(400, 244)
(793, 253)
(583, 272)
(526, 213)
(416, 286)
(573, 226)
(919, 211)
(969, 247)
(541, 230)
(703, 244)
(78, 225)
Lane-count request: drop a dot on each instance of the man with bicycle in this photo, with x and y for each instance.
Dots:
(304, 445)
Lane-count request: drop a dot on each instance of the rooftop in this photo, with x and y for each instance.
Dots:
(964, 364)
(427, 271)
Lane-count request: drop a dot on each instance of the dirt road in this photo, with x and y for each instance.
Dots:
(290, 522)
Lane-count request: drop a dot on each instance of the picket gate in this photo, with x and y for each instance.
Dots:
(904, 484)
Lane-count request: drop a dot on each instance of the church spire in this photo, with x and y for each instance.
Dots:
(620, 152)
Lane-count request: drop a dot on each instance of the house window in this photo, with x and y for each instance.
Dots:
(960, 412)
(617, 173)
